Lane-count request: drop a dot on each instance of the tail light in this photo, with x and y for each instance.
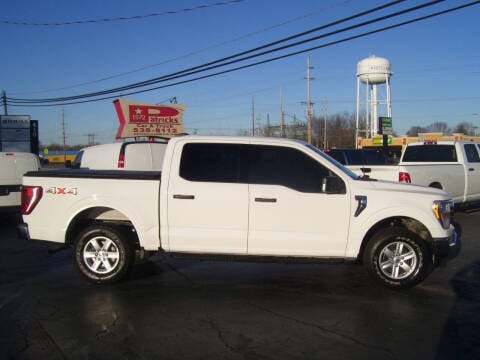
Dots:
(121, 161)
(404, 177)
(31, 195)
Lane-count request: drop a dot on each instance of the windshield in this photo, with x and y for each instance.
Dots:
(333, 161)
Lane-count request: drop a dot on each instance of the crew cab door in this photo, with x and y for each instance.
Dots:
(289, 213)
(207, 205)
(472, 168)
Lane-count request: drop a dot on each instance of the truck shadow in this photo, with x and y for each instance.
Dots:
(460, 335)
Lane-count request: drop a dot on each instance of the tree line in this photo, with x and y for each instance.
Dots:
(338, 130)
(335, 130)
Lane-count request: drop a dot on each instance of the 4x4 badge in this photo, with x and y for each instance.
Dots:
(62, 191)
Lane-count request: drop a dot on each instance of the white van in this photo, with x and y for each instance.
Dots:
(139, 155)
(12, 167)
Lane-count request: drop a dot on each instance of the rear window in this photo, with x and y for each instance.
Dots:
(430, 153)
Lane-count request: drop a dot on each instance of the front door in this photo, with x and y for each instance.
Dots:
(289, 213)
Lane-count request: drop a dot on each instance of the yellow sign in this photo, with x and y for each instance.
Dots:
(379, 140)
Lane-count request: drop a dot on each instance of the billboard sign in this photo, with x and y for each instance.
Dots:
(15, 133)
(138, 119)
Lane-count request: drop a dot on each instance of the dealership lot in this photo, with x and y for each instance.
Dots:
(199, 309)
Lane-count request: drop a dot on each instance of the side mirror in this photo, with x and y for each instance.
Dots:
(333, 185)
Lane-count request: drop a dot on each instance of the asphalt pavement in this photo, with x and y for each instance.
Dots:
(184, 309)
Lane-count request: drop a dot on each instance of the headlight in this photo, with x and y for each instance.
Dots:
(443, 211)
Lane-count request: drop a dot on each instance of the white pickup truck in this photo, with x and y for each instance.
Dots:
(240, 198)
(453, 166)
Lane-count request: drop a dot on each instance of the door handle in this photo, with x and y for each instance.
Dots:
(265, 200)
(471, 169)
(184, 197)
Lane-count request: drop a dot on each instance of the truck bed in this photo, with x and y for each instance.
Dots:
(97, 174)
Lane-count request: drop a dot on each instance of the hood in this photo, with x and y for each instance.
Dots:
(402, 189)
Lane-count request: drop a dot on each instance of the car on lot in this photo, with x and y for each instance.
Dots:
(240, 198)
(12, 167)
(453, 166)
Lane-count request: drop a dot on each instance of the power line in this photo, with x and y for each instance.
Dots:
(190, 53)
(41, 102)
(121, 18)
(205, 66)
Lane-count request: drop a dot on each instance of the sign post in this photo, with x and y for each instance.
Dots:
(385, 127)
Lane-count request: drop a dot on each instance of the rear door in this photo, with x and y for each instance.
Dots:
(207, 203)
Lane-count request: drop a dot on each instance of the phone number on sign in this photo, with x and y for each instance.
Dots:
(154, 129)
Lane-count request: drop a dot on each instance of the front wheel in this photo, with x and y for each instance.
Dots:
(397, 258)
(103, 254)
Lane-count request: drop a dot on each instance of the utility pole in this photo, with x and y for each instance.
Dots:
(268, 126)
(258, 124)
(309, 103)
(4, 102)
(325, 104)
(253, 117)
(63, 135)
(282, 115)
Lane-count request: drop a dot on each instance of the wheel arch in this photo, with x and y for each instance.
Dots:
(436, 185)
(408, 223)
(100, 215)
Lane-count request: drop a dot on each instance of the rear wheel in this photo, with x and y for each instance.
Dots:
(397, 258)
(103, 254)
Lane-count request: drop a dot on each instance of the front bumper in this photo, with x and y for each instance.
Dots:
(446, 247)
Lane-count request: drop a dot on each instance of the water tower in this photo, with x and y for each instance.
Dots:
(373, 93)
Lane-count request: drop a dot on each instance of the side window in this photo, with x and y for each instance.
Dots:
(208, 162)
(337, 155)
(355, 157)
(472, 153)
(285, 166)
(375, 158)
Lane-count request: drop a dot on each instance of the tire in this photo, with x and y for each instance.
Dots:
(397, 258)
(103, 254)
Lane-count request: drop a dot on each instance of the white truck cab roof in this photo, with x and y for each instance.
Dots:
(122, 155)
